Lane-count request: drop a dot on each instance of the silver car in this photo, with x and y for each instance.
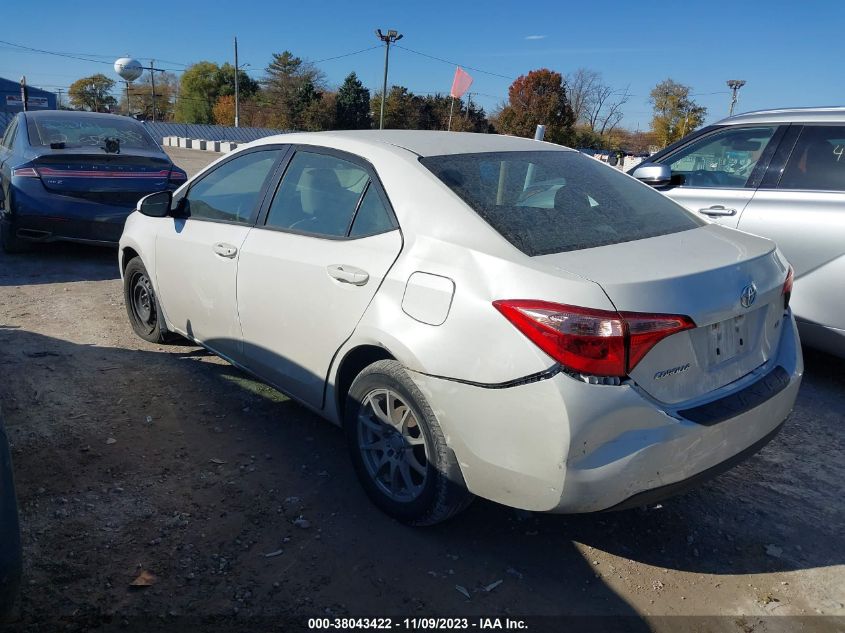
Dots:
(779, 174)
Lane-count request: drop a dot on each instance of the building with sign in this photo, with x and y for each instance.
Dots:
(11, 102)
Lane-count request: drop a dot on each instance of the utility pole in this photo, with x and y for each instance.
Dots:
(237, 96)
(391, 37)
(734, 85)
(153, 85)
(94, 95)
(24, 93)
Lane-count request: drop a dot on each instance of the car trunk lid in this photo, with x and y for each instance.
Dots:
(108, 178)
(701, 273)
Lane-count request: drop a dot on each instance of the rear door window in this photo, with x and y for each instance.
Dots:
(817, 162)
(318, 195)
(724, 159)
(554, 201)
(231, 192)
(9, 136)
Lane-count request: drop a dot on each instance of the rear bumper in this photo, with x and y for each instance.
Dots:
(10, 543)
(563, 445)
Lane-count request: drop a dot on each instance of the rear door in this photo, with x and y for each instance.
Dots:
(716, 174)
(310, 268)
(801, 206)
(197, 253)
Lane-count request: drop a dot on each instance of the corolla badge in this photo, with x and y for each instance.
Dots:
(671, 372)
(749, 294)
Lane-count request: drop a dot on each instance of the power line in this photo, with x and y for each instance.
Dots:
(446, 61)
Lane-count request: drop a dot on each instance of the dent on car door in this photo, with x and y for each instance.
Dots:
(309, 270)
(801, 205)
(715, 174)
(197, 251)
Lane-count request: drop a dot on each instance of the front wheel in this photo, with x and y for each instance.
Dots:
(398, 448)
(141, 303)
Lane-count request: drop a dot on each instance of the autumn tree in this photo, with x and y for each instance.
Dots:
(291, 85)
(92, 93)
(538, 98)
(353, 105)
(141, 97)
(675, 113)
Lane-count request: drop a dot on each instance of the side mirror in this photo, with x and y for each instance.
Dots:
(156, 205)
(653, 174)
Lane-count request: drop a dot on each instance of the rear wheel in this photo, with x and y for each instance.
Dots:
(9, 242)
(398, 449)
(141, 303)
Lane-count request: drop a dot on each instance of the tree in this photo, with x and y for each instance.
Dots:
(290, 86)
(353, 105)
(534, 99)
(92, 93)
(594, 103)
(198, 92)
(675, 114)
(224, 110)
(401, 110)
(247, 86)
(141, 97)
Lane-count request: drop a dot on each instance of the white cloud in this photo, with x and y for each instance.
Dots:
(536, 37)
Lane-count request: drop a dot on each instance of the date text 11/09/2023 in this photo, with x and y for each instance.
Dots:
(421, 624)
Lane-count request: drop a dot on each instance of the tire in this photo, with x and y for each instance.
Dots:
(142, 306)
(405, 466)
(11, 243)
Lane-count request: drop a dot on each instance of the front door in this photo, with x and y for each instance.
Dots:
(197, 253)
(714, 175)
(309, 271)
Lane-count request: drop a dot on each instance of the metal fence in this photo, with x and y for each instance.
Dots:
(188, 130)
(209, 132)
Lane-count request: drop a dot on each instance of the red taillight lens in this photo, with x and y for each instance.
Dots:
(587, 341)
(787, 287)
(177, 177)
(647, 330)
(26, 172)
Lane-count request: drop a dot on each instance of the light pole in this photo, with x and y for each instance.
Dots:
(237, 104)
(391, 37)
(734, 85)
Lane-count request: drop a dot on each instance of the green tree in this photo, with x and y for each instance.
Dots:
(353, 105)
(92, 93)
(675, 113)
(538, 98)
(401, 109)
(466, 116)
(198, 92)
(247, 86)
(290, 86)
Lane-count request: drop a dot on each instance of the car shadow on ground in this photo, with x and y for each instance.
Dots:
(58, 262)
(211, 465)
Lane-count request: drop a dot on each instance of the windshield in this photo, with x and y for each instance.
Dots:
(88, 131)
(555, 201)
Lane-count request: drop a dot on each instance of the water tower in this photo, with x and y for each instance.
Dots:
(129, 70)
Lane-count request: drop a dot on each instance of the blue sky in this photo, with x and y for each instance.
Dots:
(790, 53)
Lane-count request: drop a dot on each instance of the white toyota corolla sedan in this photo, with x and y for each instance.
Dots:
(484, 315)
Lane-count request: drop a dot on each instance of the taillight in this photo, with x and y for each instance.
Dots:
(587, 341)
(787, 287)
(25, 172)
(178, 177)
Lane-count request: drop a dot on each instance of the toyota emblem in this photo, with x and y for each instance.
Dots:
(749, 294)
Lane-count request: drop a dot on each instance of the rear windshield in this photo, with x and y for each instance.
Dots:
(88, 131)
(555, 201)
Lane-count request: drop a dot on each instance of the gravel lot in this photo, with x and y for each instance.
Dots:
(133, 457)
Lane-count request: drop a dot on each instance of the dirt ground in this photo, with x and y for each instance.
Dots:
(244, 508)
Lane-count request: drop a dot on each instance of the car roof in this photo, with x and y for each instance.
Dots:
(828, 114)
(419, 142)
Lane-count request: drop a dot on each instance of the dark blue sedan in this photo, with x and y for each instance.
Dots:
(76, 176)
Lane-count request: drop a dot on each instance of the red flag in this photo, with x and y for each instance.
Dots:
(461, 83)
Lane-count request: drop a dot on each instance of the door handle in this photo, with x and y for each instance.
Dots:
(348, 274)
(225, 250)
(717, 210)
